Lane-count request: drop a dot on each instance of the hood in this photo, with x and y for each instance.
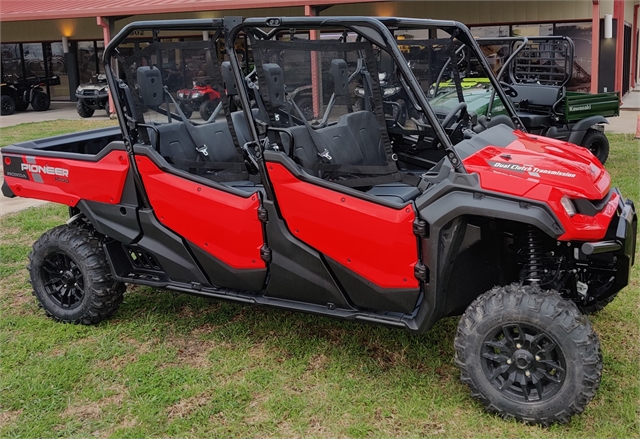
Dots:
(533, 166)
(99, 86)
(476, 98)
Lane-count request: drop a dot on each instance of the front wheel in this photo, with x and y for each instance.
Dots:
(83, 110)
(596, 142)
(40, 101)
(207, 108)
(7, 105)
(70, 276)
(528, 354)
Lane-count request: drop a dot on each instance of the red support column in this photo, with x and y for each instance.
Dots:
(634, 50)
(595, 45)
(618, 14)
(316, 74)
(106, 35)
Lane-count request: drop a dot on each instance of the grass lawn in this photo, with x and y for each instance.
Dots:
(173, 365)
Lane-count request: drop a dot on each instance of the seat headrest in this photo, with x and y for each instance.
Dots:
(229, 79)
(150, 82)
(274, 79)
(340, 75)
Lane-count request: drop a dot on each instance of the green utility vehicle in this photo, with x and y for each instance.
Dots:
(534, 74)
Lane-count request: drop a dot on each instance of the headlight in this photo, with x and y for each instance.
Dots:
(79, 90)
(432, 91)
(359, 91)
(196, 95)
(104, 89)
(382, 76)
(390, 91)
(568, 205)
(180, 94)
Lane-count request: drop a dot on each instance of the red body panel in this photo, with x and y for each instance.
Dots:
(374, 241)
(67, 181)
(222, 224)
(543, 169)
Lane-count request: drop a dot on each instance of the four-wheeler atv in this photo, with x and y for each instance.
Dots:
(18, 93)
(353, 216)
(93, 96)
(202, 97)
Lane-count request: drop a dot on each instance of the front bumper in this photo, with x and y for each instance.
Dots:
(619, 242)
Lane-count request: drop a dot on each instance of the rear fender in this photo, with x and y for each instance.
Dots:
(579, 129)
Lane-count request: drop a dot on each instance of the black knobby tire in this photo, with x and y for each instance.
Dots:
(596, 305)
(70, 276)
(305, 104)
(207, 108)
(7, 105)
(83, 110)
(528, 354)
(186, 110)
(107, 108)
(596, 142)
(40, 101)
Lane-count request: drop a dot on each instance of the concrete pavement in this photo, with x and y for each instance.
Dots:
(58, 110)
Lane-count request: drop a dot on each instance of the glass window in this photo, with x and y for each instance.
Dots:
(58, 66)
(11, 62)
(33, 59)
(580, 33)
(531, 30)
(87, 61)
(490, 31)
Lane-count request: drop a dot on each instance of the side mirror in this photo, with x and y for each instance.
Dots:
(150, 82)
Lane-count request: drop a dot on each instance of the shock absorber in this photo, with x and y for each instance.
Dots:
(533, 253)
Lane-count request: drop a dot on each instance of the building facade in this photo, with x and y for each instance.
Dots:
(53, 37)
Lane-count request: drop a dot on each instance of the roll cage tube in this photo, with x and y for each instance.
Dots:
(353, 24)
(513, 55)
(108, 57)
(467, 38)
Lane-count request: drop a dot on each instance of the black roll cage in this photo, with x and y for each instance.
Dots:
(382, 36)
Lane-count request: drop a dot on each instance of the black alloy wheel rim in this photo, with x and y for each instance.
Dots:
(63, 280)
(595, 148)
(6, 106)
(524, 363)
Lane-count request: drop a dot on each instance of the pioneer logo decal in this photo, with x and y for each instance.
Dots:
(531, 170)
(49, 170)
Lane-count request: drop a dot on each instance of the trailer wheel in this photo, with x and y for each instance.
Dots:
(70, 276)
(528, 354)
(40, 101)
(83, 110)
(596, 142)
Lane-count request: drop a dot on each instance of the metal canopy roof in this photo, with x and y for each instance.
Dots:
(22, 10)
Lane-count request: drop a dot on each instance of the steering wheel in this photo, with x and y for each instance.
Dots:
(446, 123)
(509, 90)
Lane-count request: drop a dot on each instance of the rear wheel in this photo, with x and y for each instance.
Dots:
(107, 108)
(7, 105)
(207, 108)
(305, 103)
(596, 142)
(40, 101)
(70, 276)
(528, 354)
(83, 110)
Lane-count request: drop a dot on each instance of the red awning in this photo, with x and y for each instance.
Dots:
(21, 10)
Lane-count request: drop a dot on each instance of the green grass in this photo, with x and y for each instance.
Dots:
(29, 131)
(173, 365)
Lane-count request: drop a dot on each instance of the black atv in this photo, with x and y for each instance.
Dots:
(93, 96)
(18, 93)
